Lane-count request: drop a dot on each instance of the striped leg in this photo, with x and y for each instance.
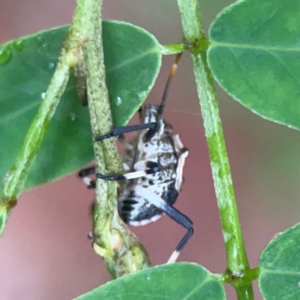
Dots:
(173, 213)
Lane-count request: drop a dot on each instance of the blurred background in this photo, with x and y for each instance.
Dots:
(45, 252)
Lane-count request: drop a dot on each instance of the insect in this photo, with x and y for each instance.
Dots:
(154, 161)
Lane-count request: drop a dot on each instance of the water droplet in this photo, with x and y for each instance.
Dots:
(40, 40)
(5, 55)
(51, 65)
(129, 95)
(43, 95)
(118, 101)
(6, 178)
(46, 46)
(73, 116)
(19, 45)
(143, 95)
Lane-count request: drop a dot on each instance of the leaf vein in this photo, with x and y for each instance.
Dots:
(284, 66)
(254, 90)
(19, 112)
(273, 271)
(215, 44)
(198, 287)
(128, 61)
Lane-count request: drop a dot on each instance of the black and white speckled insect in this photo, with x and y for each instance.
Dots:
(154, 160)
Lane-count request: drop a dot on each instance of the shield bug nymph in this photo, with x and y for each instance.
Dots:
(154, 161)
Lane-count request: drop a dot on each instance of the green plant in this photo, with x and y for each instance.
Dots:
(252, 52)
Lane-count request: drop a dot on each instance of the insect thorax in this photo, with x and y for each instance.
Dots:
(134, 208)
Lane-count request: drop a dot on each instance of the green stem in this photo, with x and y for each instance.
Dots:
(249, 276)
(237, 262)
(82, 50)
(172, 48)
(17, 176)
(120, 249)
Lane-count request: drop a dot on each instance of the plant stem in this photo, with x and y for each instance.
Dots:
(82, 50)
(17, 176)
(120, 249)
(237, 262)
(172, 48)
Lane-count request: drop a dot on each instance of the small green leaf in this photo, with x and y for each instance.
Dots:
(174, 281)
(280, 266)
(132, 60)
(255, 56)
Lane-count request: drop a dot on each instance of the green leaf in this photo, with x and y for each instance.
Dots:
(174, 281)
(132, 60)
(255, 56)
(280, 266)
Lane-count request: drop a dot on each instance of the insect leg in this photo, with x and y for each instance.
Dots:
(151, 168)
(173, 213)
(167, 87)
(151, 132)
(121, 130)
(125, 144)
(83, 174)
(181, 161)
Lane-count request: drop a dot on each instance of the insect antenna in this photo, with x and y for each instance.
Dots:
(168, 84)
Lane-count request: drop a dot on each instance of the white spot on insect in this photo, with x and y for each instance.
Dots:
(126, 167)
(144, 222)
(86, 180)
(118, 101)
(173, 257)
(43, 95)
